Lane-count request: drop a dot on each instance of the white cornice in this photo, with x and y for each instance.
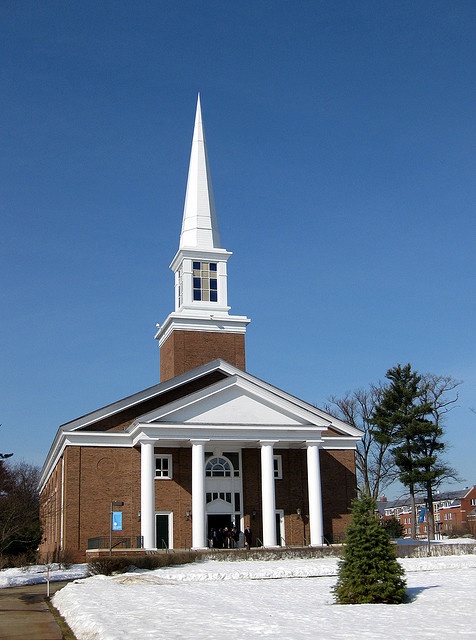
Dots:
(210, 255)
(213, 322)
(241, 435)
(340, 442)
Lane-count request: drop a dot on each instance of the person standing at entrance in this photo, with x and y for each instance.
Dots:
(248, 536)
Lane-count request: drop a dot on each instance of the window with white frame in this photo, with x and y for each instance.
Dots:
(163, 466)
(218, 467)
(205, 281)
(278, 467)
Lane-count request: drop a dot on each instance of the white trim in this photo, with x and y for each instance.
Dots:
(62, 506)
(209, 318)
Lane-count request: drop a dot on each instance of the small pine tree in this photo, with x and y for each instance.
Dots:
(368, 572)
(393, 528)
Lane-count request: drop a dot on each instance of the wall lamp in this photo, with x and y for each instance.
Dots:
(299, 511)
(188, 514)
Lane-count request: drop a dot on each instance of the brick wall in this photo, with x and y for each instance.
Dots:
(94, 476)
(185, 350)
(339, 488)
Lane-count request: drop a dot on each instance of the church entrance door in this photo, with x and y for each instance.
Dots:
(217, 524)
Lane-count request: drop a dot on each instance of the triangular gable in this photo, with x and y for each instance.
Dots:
(199, 396)
(235, 401)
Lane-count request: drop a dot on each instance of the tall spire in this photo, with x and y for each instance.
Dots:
(201, 328)
(199, 224)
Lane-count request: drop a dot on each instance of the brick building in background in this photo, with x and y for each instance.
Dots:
(455, 512)
(209, 447)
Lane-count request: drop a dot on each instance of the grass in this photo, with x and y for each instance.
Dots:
(60, 621)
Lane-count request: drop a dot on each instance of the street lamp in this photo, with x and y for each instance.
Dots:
(114, 503)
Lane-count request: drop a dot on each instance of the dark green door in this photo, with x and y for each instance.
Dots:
(162, 530)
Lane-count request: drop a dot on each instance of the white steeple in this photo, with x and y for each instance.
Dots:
(200, 264)
(199, 224)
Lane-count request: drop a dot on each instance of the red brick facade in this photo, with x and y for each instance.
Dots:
(93, 477)
(185, 350)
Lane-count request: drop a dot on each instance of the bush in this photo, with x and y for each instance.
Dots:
(369, 571)
(459, 532)
(8, 561)
(121, 564)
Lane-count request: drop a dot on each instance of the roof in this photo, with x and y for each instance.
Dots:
(216, 398)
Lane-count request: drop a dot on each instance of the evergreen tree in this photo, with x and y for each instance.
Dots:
(369, 571)
(393, 528)
(400, 421)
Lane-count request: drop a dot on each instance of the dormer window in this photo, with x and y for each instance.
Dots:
(205, 281)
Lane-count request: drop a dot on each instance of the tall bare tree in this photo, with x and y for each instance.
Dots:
(19, 509)
(374, 462)
(439, 392)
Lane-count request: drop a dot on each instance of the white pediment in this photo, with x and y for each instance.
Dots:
(234, 402)
(233, 406)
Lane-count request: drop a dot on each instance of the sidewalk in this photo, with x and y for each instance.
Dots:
(24, 614)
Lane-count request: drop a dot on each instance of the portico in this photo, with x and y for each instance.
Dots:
(199, 510)
(213, 422)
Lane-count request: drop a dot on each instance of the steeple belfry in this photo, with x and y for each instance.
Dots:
(200, 329)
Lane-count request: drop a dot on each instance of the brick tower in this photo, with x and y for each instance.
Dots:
(201, 328)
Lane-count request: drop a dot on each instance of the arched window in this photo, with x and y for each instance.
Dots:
(218, 468)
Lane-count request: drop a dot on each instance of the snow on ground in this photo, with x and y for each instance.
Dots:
(286, 599)
(37, 574)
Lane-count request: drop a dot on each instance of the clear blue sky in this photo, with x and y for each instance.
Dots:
(341, 137)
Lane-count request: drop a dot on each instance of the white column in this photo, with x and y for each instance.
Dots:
(199, 539)
(315, 494)
(268, 498)
(147, 494)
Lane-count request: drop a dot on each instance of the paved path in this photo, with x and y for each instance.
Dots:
(24, 614)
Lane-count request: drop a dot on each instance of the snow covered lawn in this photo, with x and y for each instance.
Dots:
(286, 599)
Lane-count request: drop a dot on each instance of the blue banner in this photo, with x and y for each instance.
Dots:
(117, 520)
(421, 517)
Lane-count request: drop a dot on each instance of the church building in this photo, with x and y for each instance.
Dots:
(209, 448)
